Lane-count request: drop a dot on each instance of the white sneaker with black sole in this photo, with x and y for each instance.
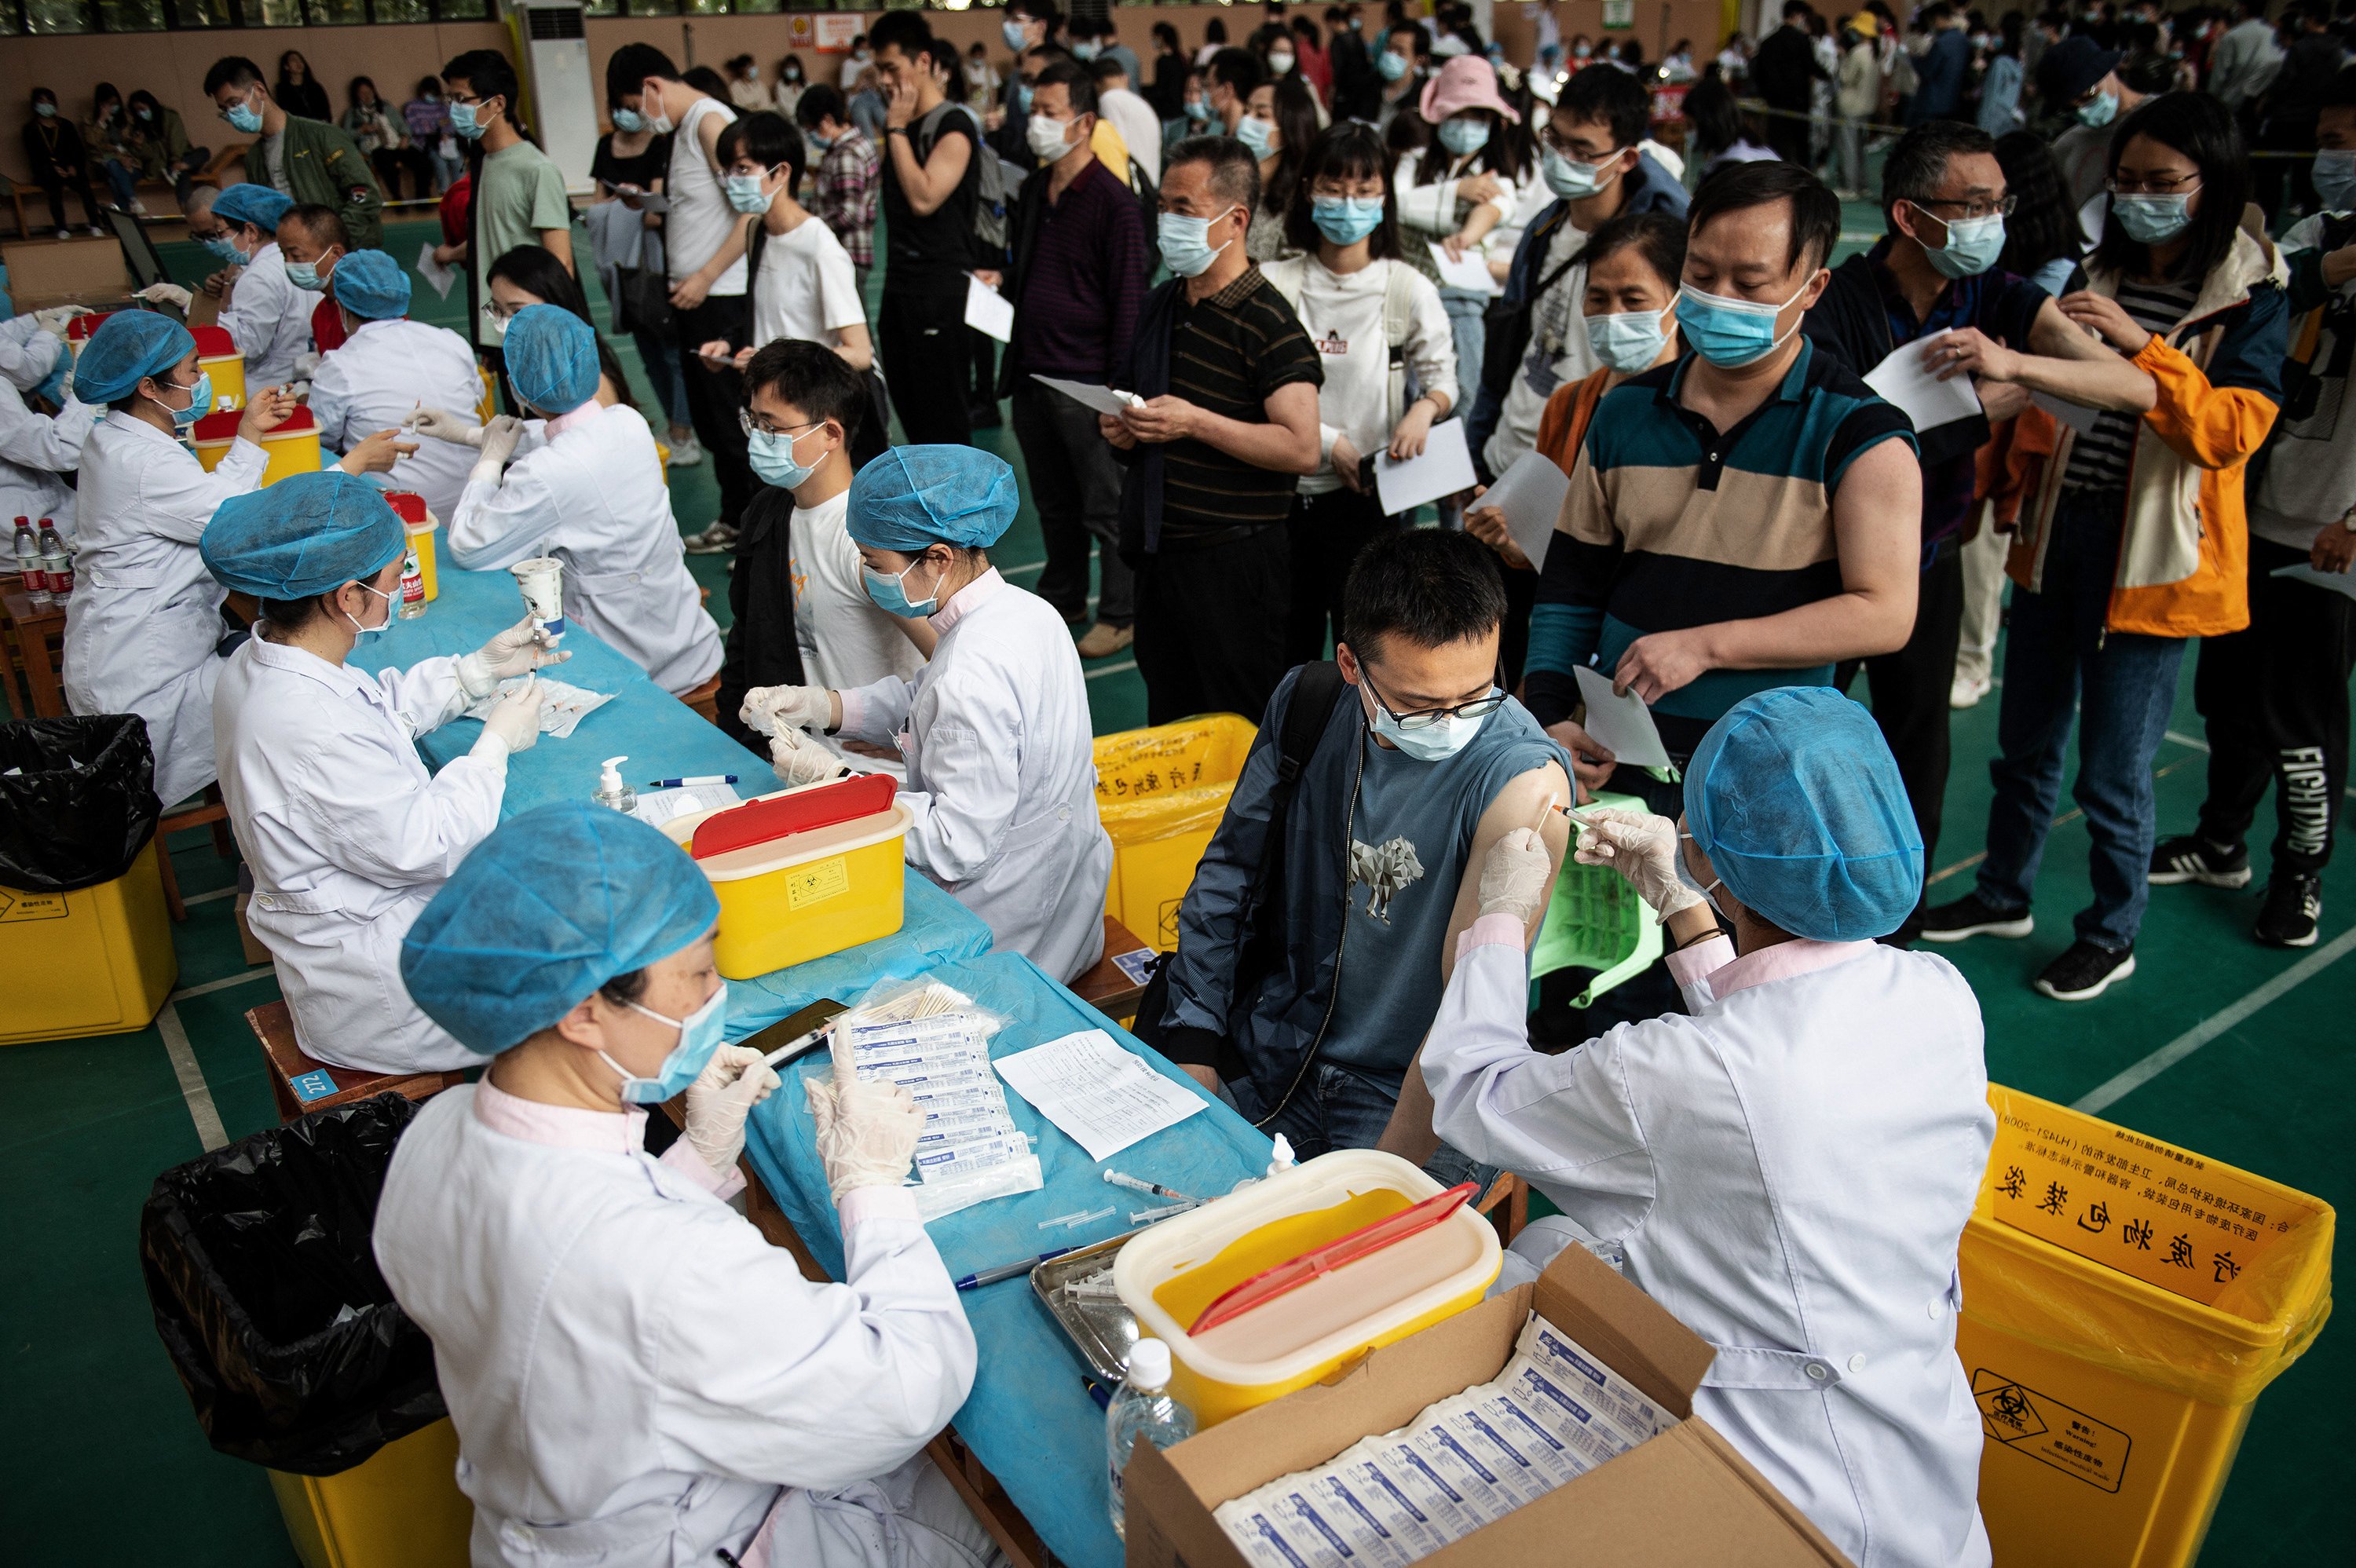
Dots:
(1972, 915)
(2084, 971)
(2189, 857)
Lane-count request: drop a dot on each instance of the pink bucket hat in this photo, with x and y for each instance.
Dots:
(1464, 82)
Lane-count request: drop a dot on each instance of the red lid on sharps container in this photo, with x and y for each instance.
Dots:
(411, 505)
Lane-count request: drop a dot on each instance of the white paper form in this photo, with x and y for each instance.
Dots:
(1471, 272)
(1531, 493)
(2077, 416)
(2331, 581)
(988, 311)
(1445, 468)
(1904, 380)
(1103, 1096)
(1104, 399)
(434, 271)
(657, 806)
(1622, 724)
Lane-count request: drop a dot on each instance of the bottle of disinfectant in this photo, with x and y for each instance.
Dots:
(1143, 1408)
(612, 791)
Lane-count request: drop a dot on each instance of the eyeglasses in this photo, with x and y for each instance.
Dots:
(493, 313)
(1553, 143)
(754, 425)
(1425, 718)
(2169, 186)
(2000, 207)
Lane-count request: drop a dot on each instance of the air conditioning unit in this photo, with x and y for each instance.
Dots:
(551, 44)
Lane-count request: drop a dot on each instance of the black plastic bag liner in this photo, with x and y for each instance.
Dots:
(77, 800)
(267, 1295)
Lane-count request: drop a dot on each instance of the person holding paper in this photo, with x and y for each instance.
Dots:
(803, 287)
(589, 1304)
(1788, 1168)
(2138, 539)
(1931, 279)
(1468, 182)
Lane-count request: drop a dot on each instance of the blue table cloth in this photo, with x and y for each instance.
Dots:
(1029, 1418)
(663, 739)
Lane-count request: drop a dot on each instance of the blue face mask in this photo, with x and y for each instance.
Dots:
(1391, 64)
(1973, 245)
(2099, 111)
(198, 406)
(1347, 219)
(221, 245)
(1198, 111)
(1012, 33)
(745, 194)
(1258, 136)
(45, 111)
(1185, 243)
(465, 121)
(2334, 173)
(305, 275)
(362, 634)
(698, 1037)
(629, 121)
(1023, 96)
(890, 594)
(1628, 341)
(1434, 743)
(245, 118)
(1573, 178)
(1463, 134)
(818, 143)
(1084, 51)
(772, 457)
(2152, 219)
(1729, 332)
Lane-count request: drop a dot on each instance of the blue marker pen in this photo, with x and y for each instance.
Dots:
(1009, 1271)
(687, 782)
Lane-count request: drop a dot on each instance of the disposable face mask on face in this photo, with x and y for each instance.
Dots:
(1197, 111)
(1347, 219)
(771, 455)
(1731, 333)
(1012, 33)
(1449, 46)
(1573, 178)
(1434, 743)
(1023, 96)
(306, 277)
(1392, 65)
(745, 193)
(2151, 219)
(1973, 245)
(698, 1037)
(1049, 139)
(378, 629)
(1463, 134)
(1258, 136)
(656, 121)
(1088, 53)
(221, 245)
(45, 111)
(629, 121)
(466, 120)
(890, 594)
(1628, 341)
(1185, 243)
(2099, 111)
(198, 406)
(2334, 173)
(245, 117)
(1279, 64)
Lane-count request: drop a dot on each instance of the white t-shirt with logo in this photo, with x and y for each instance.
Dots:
(807, 289)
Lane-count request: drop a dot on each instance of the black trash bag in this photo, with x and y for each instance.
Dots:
(267, 1295)
(77, 800)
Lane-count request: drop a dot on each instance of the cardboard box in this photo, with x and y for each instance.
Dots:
(1685, 1499)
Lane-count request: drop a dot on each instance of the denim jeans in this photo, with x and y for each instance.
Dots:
(1468, 327)
(1337, 1108)
(2061, 664)
(660, 355)
(124, 179)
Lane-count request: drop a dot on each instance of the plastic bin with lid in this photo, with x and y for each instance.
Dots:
(1161, 793)
(2124, 1301)
(806, 894)
(292, 448)
(219, 356)
(420, 525)
(1175, 1269)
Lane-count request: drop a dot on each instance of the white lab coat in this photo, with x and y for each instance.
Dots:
(35, 450)
(27, 354)
(1788, 1170)
(588, 489)
(145, 615)
(382, 372)
(270, 319)
(348, 837)
(1002, 772)
(637, 1376)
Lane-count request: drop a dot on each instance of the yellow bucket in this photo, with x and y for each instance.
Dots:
(400, 1507)
(292, 448)
(2124, 1301)
(805, 895)
(419, 523)
(97, 960)
(1161, 794)
(219, 356)
(1170, 1272)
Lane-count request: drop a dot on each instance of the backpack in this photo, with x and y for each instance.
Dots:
(1288, 273)
(1506, 325)
(993, 191)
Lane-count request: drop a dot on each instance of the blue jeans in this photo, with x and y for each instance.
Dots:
(1468, 325)
(124, 179)
(2059, 656)
(1337, 1108)
(665, 370)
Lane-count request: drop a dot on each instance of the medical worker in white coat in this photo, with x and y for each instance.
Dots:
(1788, 1169)
(347, 832)
(143, 624)
(264, 314)
(637, 1376)
(1001, 769)
(386, 368)
(37, 449)
(586, 487)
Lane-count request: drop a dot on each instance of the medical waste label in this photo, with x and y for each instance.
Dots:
(816, 884)
(14, 906)
(2045, 1429)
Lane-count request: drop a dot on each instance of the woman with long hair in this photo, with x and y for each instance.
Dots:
(106, 139)
(298, 90)
(528, 275)
(1279, 123)
(2042, 241)
(1716, 128)
(159, 138)
(1455, 191)
(380, 133)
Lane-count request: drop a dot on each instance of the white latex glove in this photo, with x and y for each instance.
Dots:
(54, 319)
(1514, 876)
(866, 1133)
(734, 1081)
(1641, 847)
(515, 723)
(519, 650)
(458, 429)
(499, 439)
(798, 760)
(768, 709)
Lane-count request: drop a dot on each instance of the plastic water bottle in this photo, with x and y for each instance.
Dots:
(28, 563)
(411, 602)
(1143, 1408)
(57, 564)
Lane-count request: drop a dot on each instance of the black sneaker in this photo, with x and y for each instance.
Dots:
(2084, 971)
(2294, 906)
(2190, 857)
(1972, 915)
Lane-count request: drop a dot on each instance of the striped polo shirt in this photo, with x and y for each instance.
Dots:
(1228, 352)
(1671, 523)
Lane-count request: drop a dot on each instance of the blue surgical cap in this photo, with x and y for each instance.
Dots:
(555, 903)
(551, 358)
(250, 202)
(912, 497)
(1795, 799)
(370, 284)
(128, 345)
(309, 533)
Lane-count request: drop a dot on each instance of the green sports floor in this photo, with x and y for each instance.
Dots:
(2216, 1044)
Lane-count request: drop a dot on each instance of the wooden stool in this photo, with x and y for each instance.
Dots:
(213, 813)
(301, 1084)
(36, 637)
(1108, 987)
(704, 700)
(1507, 1205)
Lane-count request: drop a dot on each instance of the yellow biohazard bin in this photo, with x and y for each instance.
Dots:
(2124, 1301)
(400, 1507)
(97, 960)
(808, 895)
(1161, 794)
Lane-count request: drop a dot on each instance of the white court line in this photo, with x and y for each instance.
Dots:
(228, 892)
(1111, 669)
(193, 1089)
(2209, 1029)
(1026, 566)
(223, 984)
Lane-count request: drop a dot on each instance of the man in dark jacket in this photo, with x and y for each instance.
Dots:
(1785, 73)
(1939, 74)
(310, 160)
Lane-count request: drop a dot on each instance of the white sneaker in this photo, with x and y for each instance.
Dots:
(139, 209)
(1968, 689)
(65, 233)
(687, 455)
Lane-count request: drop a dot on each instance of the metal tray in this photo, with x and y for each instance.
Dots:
(1102, 1329)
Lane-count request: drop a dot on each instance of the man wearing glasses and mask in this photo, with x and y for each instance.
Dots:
(1322, 925)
